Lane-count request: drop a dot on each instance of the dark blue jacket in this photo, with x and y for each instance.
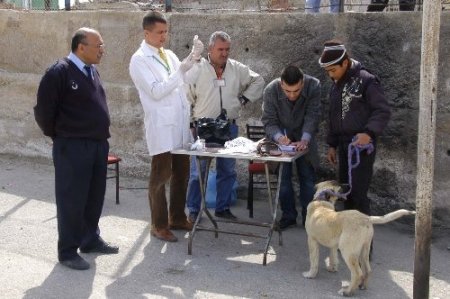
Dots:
(69, 104)
(357, 105)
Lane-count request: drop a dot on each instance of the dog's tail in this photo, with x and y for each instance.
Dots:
(390, 217)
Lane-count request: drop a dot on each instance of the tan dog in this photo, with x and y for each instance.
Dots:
(349, 231)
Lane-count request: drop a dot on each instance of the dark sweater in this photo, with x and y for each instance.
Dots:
(302, 116)
(357, 105)
(69, 104)
(297, 117)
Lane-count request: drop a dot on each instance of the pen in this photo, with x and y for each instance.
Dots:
(286, 139)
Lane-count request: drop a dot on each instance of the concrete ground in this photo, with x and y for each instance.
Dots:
(227, 267)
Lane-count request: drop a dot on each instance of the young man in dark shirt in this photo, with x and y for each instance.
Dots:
(358, 114)
(291, 114)
(71, 109)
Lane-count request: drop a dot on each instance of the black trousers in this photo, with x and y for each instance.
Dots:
(380, 5)
(80, 183)
(361, 177)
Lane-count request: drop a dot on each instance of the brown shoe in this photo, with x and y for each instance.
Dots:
(182, 226)
(163, 234)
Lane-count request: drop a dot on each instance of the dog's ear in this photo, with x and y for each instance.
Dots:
(324, 185)
(317, 186)
(344, 188)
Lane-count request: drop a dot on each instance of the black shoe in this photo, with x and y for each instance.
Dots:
(285, 223)
(225, 214)
(76, 263)
(101, 247)
(193, 217)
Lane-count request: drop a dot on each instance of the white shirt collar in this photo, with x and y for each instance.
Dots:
(149, 49)
(77, 61)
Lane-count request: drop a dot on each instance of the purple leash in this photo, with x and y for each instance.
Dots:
(352, 150)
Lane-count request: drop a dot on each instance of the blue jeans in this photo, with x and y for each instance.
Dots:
(306, 180)
(313, 6)
(225, 178)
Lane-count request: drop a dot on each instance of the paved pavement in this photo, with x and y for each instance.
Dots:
(227, 267)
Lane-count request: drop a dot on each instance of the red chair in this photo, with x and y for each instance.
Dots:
(114, 160)
(256, 168)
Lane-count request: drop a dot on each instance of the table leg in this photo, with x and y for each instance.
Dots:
(274, 224)
(203, 184)
(269, 189)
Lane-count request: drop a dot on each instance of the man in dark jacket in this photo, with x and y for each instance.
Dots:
(358, 114)
(291, 115)
(71, 109)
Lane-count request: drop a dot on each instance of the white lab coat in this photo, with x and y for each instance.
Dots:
(163, 98)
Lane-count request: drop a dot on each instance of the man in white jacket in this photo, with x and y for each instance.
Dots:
(217, 83)
(158, 76)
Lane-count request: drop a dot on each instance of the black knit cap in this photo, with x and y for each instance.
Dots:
(334, 52)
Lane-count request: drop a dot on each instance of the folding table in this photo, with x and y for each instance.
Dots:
(208, 155)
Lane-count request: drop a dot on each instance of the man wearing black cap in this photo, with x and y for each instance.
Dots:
(358, 114)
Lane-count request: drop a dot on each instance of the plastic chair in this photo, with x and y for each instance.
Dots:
(114, 160)
(255, 168)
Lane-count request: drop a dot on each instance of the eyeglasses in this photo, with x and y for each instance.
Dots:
(99, 46)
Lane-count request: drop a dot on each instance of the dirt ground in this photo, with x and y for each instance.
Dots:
(227, 267)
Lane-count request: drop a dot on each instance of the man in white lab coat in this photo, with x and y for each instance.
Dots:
(158, 76)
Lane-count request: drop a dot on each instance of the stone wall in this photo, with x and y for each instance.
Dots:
(389, 44)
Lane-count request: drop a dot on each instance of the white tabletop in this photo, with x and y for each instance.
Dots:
(216, 152)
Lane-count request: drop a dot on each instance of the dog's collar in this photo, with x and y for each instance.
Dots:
(325, 195)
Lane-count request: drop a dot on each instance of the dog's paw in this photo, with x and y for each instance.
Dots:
(363, 284)
(345, 290)
(309, 274)
(330, 266)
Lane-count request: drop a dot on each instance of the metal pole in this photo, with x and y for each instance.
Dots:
(168, 5)
(341, 5)
(426, 144)
(67, 4)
